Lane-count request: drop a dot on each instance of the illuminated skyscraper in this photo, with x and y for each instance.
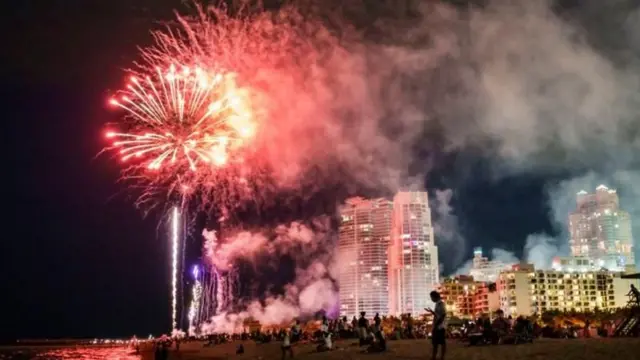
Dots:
(413, 255)
(365, 231)
(601, 231)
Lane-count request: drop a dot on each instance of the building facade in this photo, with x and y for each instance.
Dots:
(525, 291)
(576, 263)
(600, 231)
(514, 290)
(467, 298)
(364, 237)
(413, 255)
(486, 299)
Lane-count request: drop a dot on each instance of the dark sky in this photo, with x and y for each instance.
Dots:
(78, 259)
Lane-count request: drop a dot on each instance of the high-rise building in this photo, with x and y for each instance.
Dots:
(601, 231)
(526, 291)
(486, 270)
(413, 255)
(365, 232)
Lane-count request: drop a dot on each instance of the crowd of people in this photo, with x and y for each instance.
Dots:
(501, 329)
(371, 335)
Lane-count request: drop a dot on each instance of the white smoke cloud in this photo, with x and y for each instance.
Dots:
(497, 254)
(546, 97)
(446, 227)
(540, 250)
(551, 93)
(515, 82)
(312, 290)
(504, 256)
(247, 245)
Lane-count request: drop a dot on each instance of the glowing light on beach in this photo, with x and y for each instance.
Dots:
(195, 301)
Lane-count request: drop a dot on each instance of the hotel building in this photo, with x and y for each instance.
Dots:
(526, 291)
(364, 237)
(466, 298)
(413, 255)
(601, 231)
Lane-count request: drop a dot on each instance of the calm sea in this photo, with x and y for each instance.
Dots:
(75, 353)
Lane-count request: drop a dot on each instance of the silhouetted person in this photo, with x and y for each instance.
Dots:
(286, 346)
(325, 325)
(634, 294)
(296, 332)
(377, 321)
(438, 334)
(363, 324)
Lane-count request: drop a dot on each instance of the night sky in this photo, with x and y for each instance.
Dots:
(78, 259)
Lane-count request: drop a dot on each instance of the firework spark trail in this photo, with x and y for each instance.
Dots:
(194, 308)
(175, 239)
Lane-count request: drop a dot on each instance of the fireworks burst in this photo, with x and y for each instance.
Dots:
(242, 112)
(183, 120)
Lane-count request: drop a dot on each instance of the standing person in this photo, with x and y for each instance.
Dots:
(297, 332)
(325, 325)
(363, 324)
(438, 334)
(634, 295)
(377, 322)
(354, 326)
(286, 346)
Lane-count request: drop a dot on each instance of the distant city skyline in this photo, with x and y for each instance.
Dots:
(393, 260)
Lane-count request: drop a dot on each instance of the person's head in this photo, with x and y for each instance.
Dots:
(500, 313)
(435, 296)
(363, 313)
(633, 286)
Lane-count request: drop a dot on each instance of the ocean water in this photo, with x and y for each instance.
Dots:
(71, 353)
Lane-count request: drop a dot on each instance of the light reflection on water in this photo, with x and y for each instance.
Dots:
(88, 353)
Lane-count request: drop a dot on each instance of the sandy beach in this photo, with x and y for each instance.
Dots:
(547, 349)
